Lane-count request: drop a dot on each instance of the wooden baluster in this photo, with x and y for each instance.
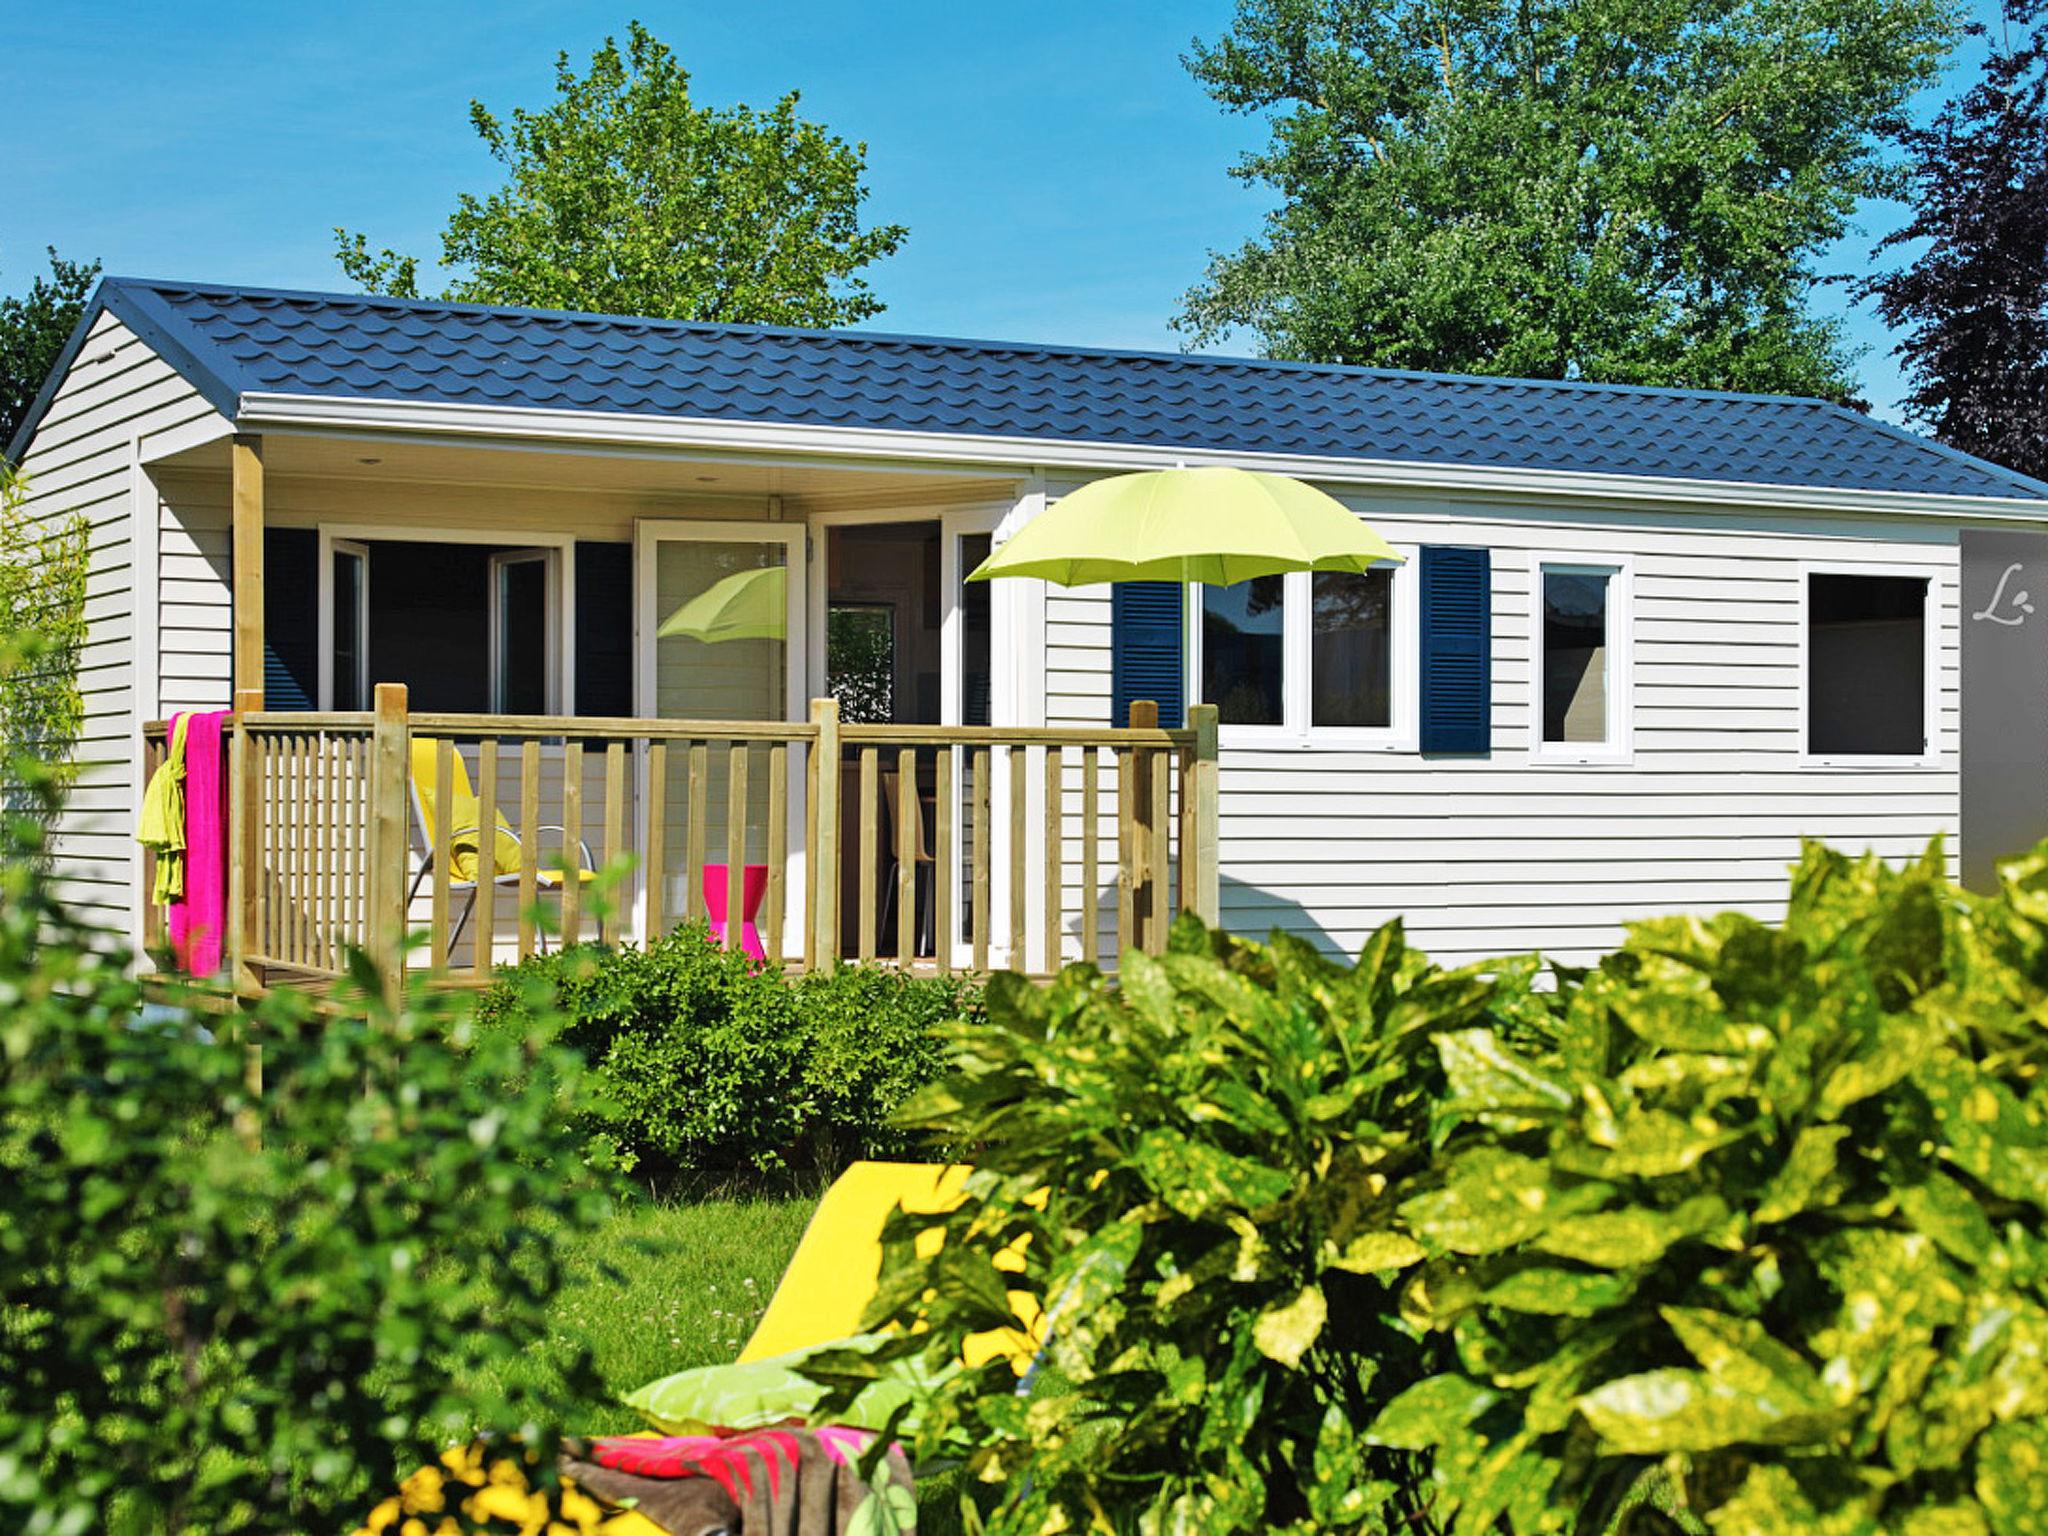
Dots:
(444, 849)
(1020, 862)
(265, 841)
(529, 842)
(570, 864)
(736, 760)
(823, 855)
(1126, 850)
(909, 822)
(700, 812)
(945, 860)
(981, 856)
(1055, 856)
(614, 930)
(484, 930)
(869, 780)
(1159, 806)
(1091, 860)
(773, 898)
(657, 840)
(302, 853)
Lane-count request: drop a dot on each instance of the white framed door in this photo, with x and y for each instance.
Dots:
(732, 597)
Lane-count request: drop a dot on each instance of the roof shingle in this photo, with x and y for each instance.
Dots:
(243, 341)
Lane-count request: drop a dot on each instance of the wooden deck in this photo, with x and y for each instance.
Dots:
(936, 848)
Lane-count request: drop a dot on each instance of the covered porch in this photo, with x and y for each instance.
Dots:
(644, 683)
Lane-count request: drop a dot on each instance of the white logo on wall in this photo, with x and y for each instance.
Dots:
(2020, 602)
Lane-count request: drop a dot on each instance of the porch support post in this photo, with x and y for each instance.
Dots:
(247, 501)
(390, 771)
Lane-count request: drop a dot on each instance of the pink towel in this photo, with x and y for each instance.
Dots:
(198, 923)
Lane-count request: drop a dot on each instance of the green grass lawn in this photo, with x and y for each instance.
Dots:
(669, 1287)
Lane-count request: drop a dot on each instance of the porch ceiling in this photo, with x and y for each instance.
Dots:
(365, 457)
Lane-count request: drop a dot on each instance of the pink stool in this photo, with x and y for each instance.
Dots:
(753, 886)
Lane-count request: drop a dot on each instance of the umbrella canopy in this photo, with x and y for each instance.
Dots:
(1215, 524)
(747, 605)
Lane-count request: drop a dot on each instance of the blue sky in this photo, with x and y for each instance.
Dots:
(1062, 176)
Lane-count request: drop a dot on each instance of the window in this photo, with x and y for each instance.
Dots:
(1328, 653)
(1582, 658)
(1244, 651)
(1351, 649)
(1866, 665)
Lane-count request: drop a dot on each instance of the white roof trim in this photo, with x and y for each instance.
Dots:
(625, 429)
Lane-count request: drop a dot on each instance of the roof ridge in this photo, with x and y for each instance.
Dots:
(983, 345)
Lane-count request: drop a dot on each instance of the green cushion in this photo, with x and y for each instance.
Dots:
(760, 1393)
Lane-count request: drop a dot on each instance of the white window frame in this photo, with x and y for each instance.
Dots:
(1930, 678)
(1297, 653)
(1619, 747)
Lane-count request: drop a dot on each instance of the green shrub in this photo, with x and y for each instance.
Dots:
(1769, 1218)
(1203, 1167)
(1742, 1231)
(222, 1313)
(704, 1061)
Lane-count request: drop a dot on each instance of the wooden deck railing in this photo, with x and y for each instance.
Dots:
(933, 847)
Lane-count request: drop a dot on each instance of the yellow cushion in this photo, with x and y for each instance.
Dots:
(838, 1265)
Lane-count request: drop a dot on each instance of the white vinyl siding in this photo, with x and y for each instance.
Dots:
(1504, 854)
(83, 460)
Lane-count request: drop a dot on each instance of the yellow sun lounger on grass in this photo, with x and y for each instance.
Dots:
(820, 1299)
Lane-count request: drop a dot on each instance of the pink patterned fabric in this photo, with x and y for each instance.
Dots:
(198, 921)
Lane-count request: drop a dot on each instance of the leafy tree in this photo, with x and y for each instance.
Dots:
(33, 330)
(1974, 302)
(626, 197)
(1622, 190)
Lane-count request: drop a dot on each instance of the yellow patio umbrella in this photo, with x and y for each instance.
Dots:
(1214, 524)
(747, 605)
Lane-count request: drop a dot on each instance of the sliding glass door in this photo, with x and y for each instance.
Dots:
(720, 625)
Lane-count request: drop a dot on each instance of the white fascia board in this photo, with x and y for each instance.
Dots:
(1019, 455)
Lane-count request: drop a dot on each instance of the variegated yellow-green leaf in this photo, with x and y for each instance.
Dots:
(1371, 1251)
(1560, 1292)
(1626, 1238)
(1674, 1410)
(1427, 1413)
(1285, 1333)
(1810, 1164)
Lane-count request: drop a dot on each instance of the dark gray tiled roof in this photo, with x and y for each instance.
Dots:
(237, 341)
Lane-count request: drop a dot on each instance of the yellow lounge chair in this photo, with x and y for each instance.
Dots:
(508, 851)
(831, 1278)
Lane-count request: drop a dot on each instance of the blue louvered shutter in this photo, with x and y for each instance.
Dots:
(1146, 646)
(1457, 650)
(291, 606)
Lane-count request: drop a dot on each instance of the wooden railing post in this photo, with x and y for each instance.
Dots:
(390, 769)
(1201, 838)
(245, 833)
(1146, 897)
(821, 859)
